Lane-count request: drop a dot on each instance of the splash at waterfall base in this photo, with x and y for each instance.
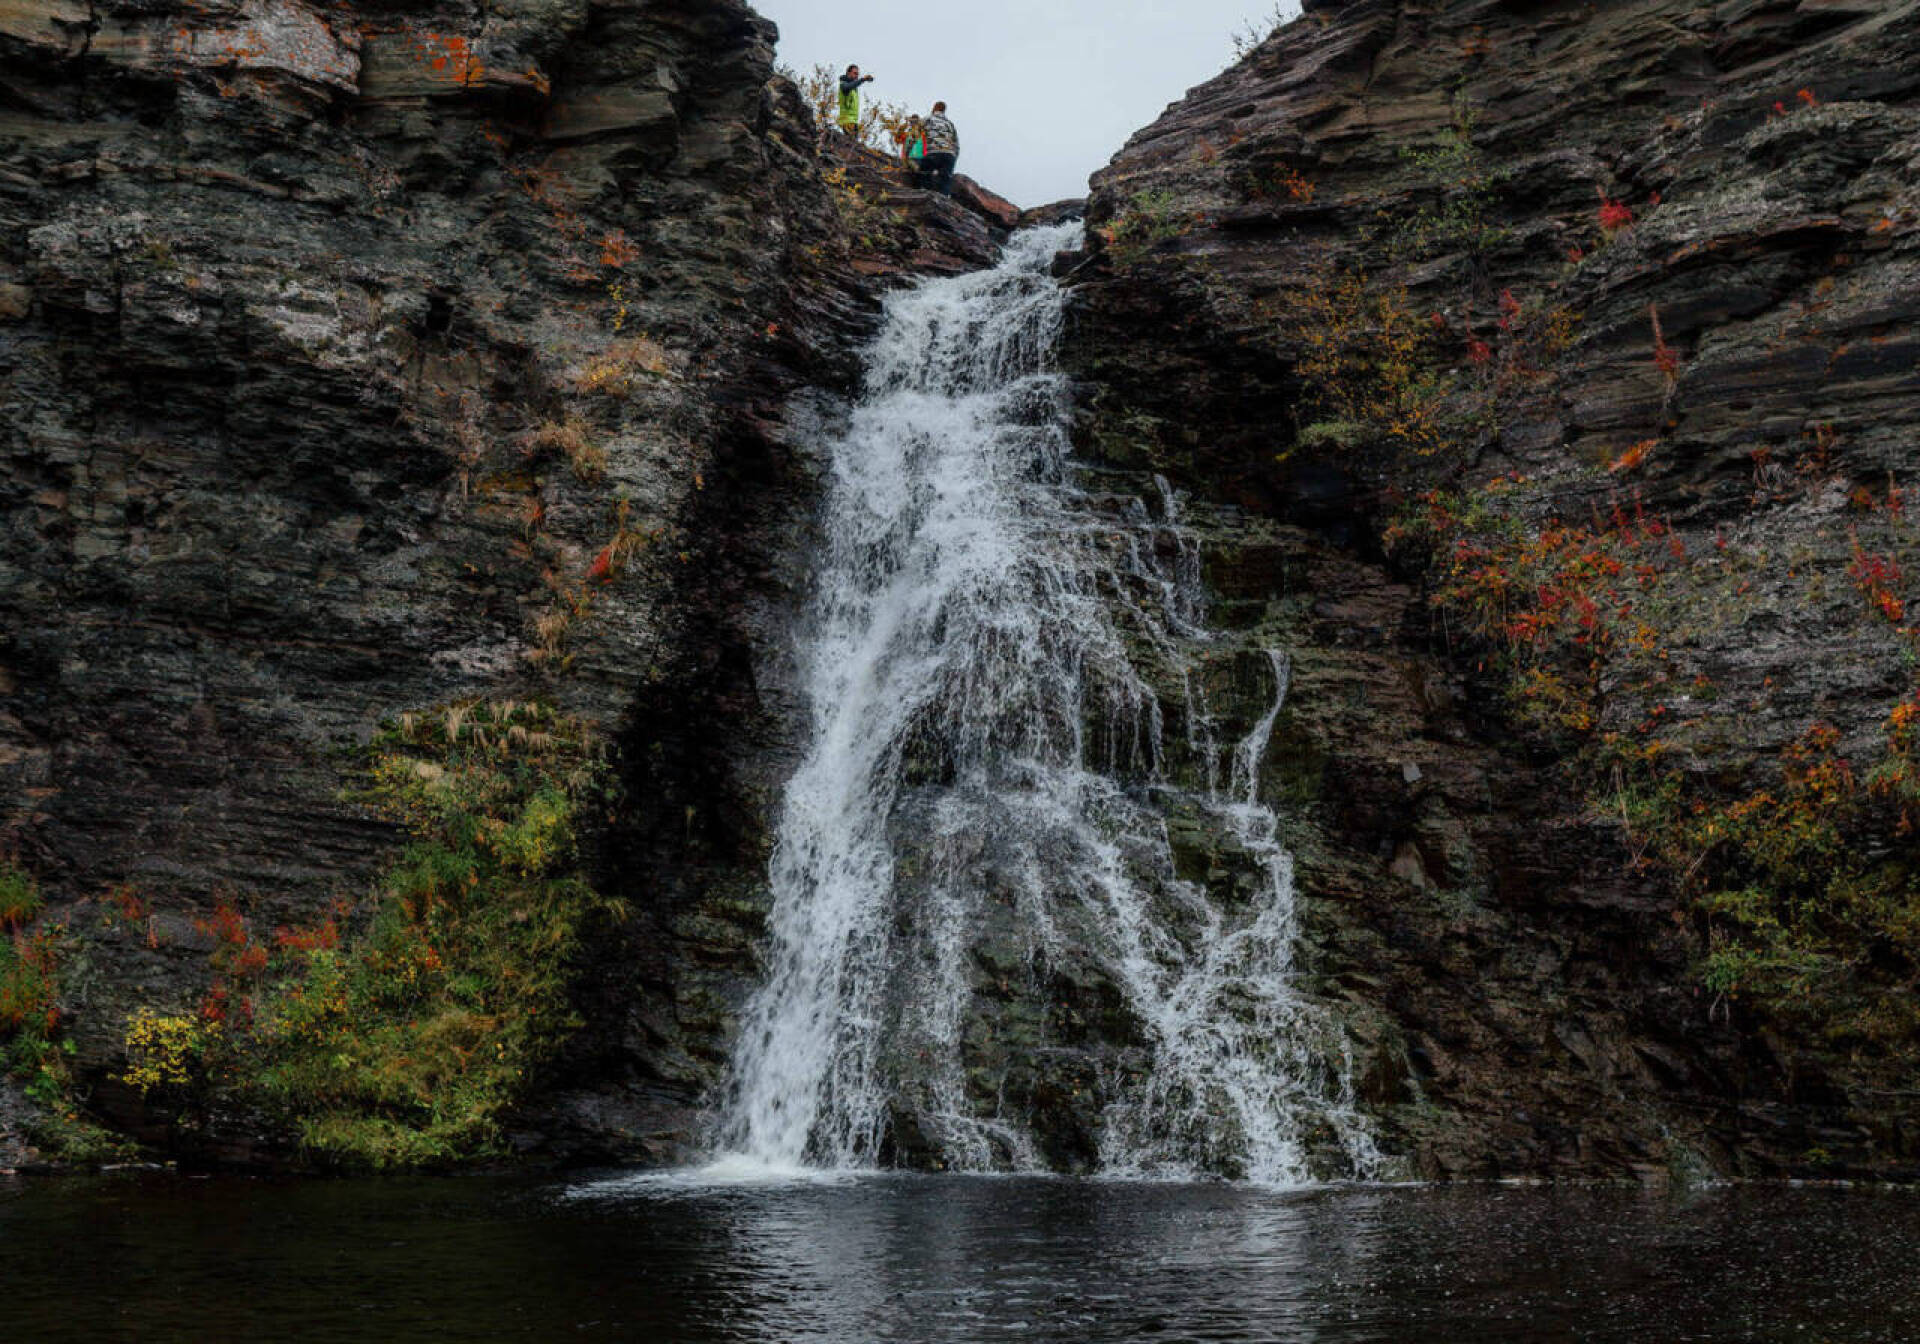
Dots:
(1028, 909)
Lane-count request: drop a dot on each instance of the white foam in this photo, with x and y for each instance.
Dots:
(977, 615)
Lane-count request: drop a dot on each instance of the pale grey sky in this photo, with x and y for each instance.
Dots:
(1043, 91)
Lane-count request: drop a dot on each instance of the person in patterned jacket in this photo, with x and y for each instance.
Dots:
(943, 151)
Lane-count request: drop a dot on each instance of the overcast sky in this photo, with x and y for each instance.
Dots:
(1043, 91)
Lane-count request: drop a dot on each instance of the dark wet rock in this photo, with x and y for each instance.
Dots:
(902, 228)
(17, 1115)
(336, 344)
(1527, 988)
(993, 206)
(1058, 212)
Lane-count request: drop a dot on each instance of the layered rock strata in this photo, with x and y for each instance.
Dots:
(1542, 377)
(1558, 364)
(342, 346)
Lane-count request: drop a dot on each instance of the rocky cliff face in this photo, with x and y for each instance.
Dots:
(1551, 369)
(1543, 377)
(366, 360)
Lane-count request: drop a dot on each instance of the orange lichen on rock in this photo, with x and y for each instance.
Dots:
(449, 56)
(271, 37)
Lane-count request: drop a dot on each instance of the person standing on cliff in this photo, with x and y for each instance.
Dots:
(912, 140)
(943, 150)
(850, 100)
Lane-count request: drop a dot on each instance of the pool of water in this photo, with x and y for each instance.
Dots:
(912, 1258)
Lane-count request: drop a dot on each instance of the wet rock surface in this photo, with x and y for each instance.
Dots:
(1574, 267)
(339, 346)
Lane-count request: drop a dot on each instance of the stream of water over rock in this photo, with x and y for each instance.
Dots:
(984, 799)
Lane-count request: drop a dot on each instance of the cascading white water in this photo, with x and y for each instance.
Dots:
(985, 754)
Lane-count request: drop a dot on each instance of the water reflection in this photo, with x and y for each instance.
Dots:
(886, 1259)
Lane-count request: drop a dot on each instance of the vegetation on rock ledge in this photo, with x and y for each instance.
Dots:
(33, 1049)
(398, 1034)
(405, 1044)
(1805, 896)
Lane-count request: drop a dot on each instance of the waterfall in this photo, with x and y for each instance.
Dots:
(985, 796)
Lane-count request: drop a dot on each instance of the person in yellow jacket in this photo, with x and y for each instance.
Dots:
(850, 99)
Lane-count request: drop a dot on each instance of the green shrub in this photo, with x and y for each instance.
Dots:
(33, 1052)
(1801, 917)
(1465, 195)
(1151, 217)
(19, 897)
(26, 985)
(403, 1046)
